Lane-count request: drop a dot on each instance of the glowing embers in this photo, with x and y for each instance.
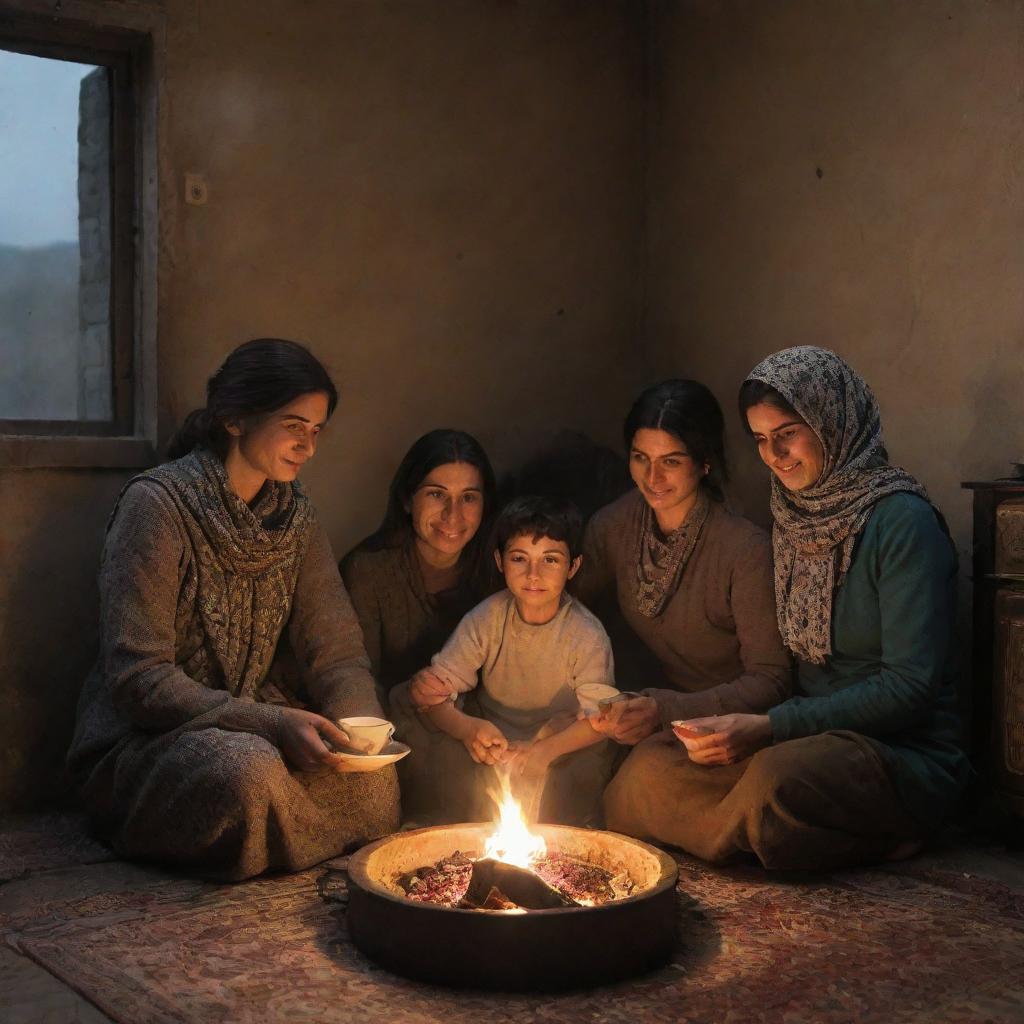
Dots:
(516, 873)
(558, 880)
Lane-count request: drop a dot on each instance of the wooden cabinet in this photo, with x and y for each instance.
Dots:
(998, 578)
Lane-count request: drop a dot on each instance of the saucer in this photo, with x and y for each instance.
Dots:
(392, 752)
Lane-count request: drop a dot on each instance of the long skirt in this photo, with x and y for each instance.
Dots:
(814, 803)
(442, 784)
(227, 805)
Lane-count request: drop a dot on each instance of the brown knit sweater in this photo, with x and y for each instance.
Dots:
(716, 642)
(403, 626)
(140, 704)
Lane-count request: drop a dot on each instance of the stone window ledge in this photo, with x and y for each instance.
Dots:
(24, 452)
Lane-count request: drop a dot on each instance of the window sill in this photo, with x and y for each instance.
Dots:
(25, 452)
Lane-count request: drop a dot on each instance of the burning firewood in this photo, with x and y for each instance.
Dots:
(497, 901)
(517, 885)
(583, 883)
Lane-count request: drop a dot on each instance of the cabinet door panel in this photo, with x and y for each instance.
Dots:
(1008, 686)
(1010, 537)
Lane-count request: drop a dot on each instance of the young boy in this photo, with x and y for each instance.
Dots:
(513, 663)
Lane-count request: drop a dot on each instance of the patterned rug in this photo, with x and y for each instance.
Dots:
(915, 945)
(41, 842)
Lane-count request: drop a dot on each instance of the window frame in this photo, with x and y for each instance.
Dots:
(126, 439)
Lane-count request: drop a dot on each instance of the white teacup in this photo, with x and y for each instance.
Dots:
(367, 735)
(591, 694)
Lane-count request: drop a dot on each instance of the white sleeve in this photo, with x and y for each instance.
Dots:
(465, 652)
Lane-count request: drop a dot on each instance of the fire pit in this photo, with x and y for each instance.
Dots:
(562, 947)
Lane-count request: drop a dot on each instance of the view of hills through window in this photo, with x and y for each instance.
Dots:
(55, 348)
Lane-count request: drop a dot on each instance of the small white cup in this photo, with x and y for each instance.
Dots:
(367, 735)
(590, 694)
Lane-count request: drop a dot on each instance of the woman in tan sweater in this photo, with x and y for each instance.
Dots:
(184, 752)
(692, 581)
(413, 580)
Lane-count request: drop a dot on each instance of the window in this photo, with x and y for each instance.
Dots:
(69, 218)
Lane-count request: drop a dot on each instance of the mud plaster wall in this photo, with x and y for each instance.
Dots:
(849, 175)
(443, 199)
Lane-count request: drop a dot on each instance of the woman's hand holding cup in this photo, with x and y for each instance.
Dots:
(723, 739)
(301, 737)
(628, 721)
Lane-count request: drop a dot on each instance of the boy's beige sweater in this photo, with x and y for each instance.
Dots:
(527, 674)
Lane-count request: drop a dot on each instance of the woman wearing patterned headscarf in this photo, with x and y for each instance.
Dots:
(188, 750)
(865, 760)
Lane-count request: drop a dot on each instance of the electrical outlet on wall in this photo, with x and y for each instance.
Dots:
(196, 190)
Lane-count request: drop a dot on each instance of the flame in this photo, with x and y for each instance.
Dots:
(512, 841)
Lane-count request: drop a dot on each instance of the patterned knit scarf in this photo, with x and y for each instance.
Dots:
(660, 563)
(816, 528)
(246, 559)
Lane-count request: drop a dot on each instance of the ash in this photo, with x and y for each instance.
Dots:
(445, 882)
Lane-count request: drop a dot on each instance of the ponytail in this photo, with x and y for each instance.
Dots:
(199, 429)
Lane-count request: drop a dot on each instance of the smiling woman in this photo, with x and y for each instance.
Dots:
(275, 446)
(445, 510)
(786, 444)
(208, 560)
(414, 578)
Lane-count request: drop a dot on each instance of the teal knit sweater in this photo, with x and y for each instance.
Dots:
(893, 668)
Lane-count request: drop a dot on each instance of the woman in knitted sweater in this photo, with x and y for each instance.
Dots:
(421, 571)
(865, 760)
(185, 752)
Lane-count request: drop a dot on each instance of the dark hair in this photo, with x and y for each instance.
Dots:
(257, 378)
(436, 448)
(686, 409)
(537, 516)
(756, 392)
